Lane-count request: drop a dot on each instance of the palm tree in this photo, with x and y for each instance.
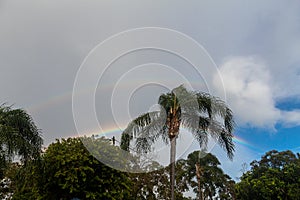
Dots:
(197, 112)
(18, 135)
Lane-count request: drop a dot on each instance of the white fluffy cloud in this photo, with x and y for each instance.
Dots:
(291, 118)
(250, 93)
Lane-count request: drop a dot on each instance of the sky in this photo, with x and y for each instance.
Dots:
(249, 57)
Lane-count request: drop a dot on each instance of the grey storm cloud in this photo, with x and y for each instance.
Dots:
(43, 43)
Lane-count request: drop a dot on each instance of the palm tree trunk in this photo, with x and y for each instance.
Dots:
(172, 161)
(198, 174)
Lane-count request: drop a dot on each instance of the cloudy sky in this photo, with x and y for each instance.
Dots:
(254, 45)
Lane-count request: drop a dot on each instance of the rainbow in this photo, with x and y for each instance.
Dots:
(241, 141)
(113, 131)
(67, 96)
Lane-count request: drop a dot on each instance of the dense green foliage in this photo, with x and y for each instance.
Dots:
(155, 185)
(275, 176)
(67, 170)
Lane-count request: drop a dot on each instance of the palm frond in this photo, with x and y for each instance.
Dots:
(225, 141)
(229, 121)
(214, 106)
(166, 101)
(198, 126)
(187, 100)
(203, 127)
(165, 134)
(149, 134)
(205, 104)
(143, 144)
(18, 133)
(151, 120)
(145, 129)
(223, 137)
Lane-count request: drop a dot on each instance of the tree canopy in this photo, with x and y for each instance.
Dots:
(67, 170)
(275, 176)
(204, 175)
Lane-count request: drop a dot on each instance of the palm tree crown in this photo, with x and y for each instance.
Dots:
(18, 134)
(197, 112)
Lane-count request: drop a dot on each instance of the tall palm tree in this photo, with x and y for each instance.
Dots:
(197, 112)
(18, 135)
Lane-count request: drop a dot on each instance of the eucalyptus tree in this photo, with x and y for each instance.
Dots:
(200, 113)
(19, 136)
